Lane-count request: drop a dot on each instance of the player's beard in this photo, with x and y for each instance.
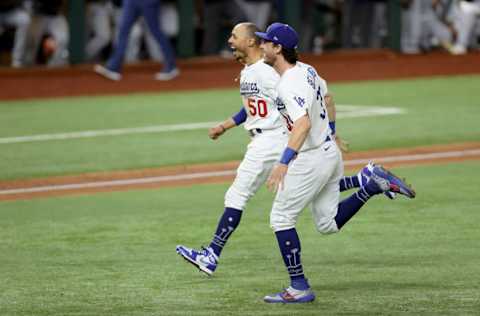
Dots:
(268, 60)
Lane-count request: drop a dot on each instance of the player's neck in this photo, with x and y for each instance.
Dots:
(253, 56)
(281, 66)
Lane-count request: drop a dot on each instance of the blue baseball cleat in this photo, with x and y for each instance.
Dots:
(290, 296)
(365, 174)
(205, 260)
(397, 185)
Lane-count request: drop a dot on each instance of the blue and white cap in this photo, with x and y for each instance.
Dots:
(280, 33)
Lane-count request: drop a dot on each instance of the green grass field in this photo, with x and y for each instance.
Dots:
(114, 254)
(439, 110)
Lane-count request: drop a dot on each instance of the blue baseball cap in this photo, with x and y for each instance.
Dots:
(280, 33)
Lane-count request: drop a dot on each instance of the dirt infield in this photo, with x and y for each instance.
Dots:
(215, 173)
(210, 72)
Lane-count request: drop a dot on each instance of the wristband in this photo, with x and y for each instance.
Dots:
(240, 117)
(288, 155)
(332, 127)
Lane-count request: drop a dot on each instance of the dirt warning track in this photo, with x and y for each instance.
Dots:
(216, 173)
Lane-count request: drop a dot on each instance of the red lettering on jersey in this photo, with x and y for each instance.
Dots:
(257, 106)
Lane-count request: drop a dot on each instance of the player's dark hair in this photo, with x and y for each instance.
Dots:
(251, 29)
(290, 55)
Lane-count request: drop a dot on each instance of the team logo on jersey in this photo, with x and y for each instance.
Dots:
(249, 88)
(311, 77)
(300, 101)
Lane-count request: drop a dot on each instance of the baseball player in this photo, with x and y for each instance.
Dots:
(269, 137)
(310, 167)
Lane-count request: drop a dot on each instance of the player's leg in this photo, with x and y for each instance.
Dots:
(21, 20)
(301, 184)
(252, 173)
(464, 22)
(98, 22)
(151, 13)
(299, 290)
(261, 155)
(380, 181)
(350, 182)
(329, 215)
(360, 179)
(130, 13)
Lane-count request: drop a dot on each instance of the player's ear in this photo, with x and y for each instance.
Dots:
(278, 48)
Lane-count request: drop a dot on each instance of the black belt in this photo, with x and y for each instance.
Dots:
(254, 131)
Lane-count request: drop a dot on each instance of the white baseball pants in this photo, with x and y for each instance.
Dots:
(262, 153)
(312, 180)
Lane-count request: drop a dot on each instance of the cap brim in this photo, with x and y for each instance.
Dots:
(263, 36)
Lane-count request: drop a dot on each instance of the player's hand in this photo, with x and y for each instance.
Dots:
(342, 144)
(216, 131)
(276, 180)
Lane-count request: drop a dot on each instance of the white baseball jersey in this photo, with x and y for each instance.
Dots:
(312, 178)
(257, 87)
(302, 91)
(258, 90)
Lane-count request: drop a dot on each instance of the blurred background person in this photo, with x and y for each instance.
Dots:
(467, 14)
(321, 25)
(14, 14)
(217, 16)
(131, 11)
(169, 24)
(364, 23)
(256, 11)
(99, 30)
(49, 31)
(135, 32)
(425, 25)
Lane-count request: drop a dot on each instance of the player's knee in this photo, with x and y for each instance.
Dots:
(327, 227)
(278, 223)
(235, 199)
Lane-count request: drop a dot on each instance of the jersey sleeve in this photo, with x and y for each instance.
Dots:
(323, 86)
(268, 79)
(295, 100)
